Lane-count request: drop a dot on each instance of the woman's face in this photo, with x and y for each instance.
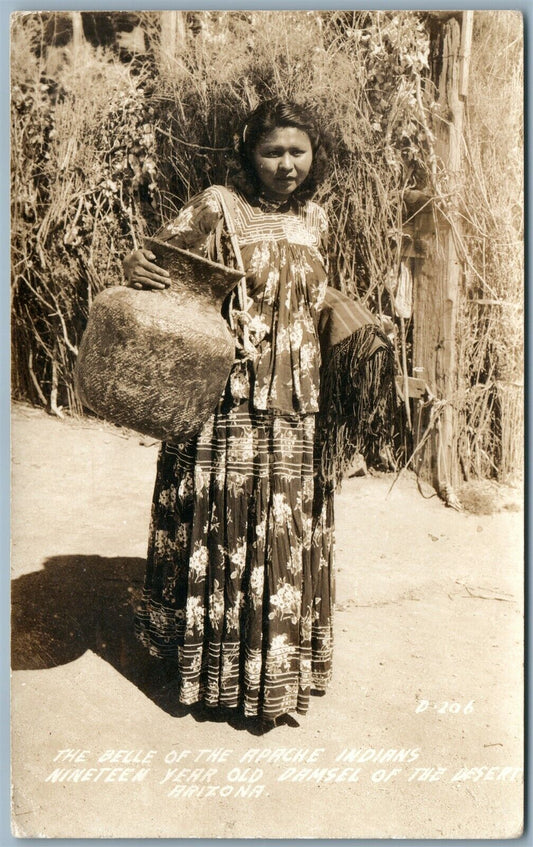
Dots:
(282, 160)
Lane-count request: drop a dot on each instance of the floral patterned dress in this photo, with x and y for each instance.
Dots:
(239, 581)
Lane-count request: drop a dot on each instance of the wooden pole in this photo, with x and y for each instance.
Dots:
(78, 39)
(438, 275)
(172, 35)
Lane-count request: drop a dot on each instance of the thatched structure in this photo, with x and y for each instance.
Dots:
(117, 118)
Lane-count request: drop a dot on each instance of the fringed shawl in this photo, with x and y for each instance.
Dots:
(357, 392)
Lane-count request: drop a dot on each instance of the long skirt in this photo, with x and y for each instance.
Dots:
(239, 581)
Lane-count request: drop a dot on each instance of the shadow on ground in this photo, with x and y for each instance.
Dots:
(79, 603)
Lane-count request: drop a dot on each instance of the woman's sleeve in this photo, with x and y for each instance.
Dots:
(199, 227)
(318, 285)
(324, 235)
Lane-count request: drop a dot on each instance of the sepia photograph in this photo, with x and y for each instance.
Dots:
(267, 424)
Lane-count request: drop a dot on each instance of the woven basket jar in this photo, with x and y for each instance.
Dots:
(157, 361)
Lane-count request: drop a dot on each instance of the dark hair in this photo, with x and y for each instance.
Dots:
(268, 116)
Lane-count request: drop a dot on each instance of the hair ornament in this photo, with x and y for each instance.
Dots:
(244, 131)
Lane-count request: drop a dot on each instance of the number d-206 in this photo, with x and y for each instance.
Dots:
(453, 708)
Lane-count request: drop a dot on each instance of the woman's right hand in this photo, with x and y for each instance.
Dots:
(141, 272)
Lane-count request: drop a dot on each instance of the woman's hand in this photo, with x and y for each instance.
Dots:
(141, 272)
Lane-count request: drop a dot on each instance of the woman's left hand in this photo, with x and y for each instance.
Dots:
(141, 272)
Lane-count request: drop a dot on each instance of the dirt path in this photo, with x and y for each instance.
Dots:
(427, 669)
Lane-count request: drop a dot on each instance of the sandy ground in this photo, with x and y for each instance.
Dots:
(428, 665)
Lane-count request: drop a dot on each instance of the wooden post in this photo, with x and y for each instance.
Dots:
(172, 34)
(437, 277)
(78, 39)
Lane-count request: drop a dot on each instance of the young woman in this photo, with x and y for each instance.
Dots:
(239, 582)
